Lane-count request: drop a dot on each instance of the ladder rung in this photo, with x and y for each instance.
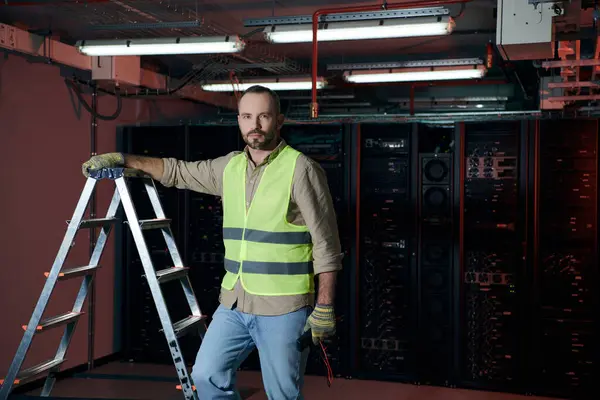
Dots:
(169, 274)
(57, 320)
(74, 272)
(31, 372)
(158, 223)
(94, 223)
(186, 324)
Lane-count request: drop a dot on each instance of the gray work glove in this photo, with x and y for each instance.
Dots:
(108, 160)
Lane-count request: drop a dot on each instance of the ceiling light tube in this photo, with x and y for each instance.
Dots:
(276, 84)
(361, 30)
(162, 46)
(415, 74)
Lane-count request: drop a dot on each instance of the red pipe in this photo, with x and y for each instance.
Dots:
(490, 57)
(314, 107)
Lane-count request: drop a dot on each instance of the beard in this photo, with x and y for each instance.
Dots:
(264, 141)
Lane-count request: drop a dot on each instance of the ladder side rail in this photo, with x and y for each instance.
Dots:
(155, 289)
(40, 307)
(82, 294)
(186, 285)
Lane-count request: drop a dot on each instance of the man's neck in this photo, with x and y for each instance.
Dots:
(258, 156)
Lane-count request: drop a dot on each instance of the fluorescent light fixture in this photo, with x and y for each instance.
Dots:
(360, 30)
(415, 74)
(288, 83)
(162, 46)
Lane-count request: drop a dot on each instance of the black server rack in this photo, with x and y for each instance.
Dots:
(492, 259)
(566, 265)
(435, 253)
(386, 317)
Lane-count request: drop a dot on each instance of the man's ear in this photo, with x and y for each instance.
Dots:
(280, 121)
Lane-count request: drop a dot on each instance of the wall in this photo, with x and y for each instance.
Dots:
(44, 138)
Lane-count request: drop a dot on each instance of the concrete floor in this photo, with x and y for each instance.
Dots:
(149, 381)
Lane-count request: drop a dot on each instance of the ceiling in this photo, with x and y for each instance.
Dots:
(73, 20)
(92, 19)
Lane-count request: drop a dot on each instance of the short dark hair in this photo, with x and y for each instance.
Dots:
(261, 89)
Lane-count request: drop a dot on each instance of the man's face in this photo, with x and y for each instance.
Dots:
(259, 121)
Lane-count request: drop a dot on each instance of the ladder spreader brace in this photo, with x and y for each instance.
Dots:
(155, 278)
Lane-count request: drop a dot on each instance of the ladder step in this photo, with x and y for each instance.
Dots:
(74, 272)
(186, 324)
(159, 223)
(31, 372)
(94, 223)
(57, 320)
(169, 274)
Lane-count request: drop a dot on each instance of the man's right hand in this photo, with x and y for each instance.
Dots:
(108, 160)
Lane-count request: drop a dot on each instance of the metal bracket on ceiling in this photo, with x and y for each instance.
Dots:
(361, 16)
(148, 25)
(239, 67)
(571, 63)
(406, 64)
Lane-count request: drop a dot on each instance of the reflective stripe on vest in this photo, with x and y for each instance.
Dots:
(270, 268)
(254, 235)
(269, 255)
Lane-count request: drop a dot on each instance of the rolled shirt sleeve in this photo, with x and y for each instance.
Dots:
(204, 176)
(311, 194)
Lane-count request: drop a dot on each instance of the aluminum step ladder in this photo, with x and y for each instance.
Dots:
(37, 325)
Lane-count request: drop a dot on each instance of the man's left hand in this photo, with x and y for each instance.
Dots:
(321, 322)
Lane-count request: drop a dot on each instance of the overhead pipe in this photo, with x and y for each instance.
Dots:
(314, 107)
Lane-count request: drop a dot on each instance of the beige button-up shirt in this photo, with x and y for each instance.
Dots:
(310, 204)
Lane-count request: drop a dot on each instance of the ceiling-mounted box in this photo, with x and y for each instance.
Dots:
(525, 31)
(123, 70)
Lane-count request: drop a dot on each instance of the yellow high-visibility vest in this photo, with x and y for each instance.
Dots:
(270, 256)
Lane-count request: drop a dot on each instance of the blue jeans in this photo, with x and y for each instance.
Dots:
(231, 337)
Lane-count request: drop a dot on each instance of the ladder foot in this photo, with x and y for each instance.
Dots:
(178, 387)
(32, 372)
